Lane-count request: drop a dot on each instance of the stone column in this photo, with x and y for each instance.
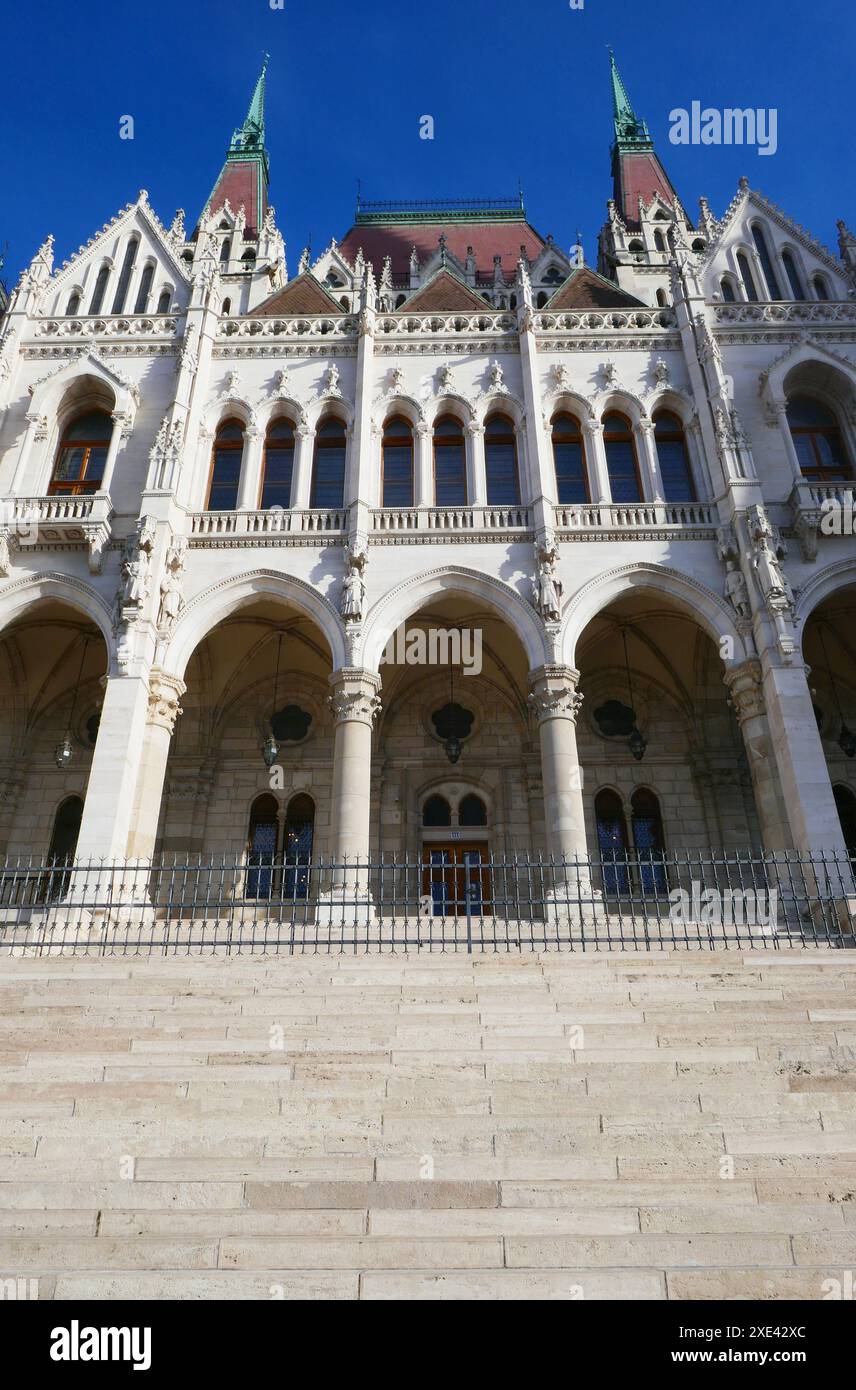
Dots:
(301, 483)
(652, 478)
(354, 703)
(424, 495)
(345, 891)
(120, 425)
(746, 691)
(108, 807)
(251, 468)
(556, 702)
(165, 692)
(476, 473)
(598, 473)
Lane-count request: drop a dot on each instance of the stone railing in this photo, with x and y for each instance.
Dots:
(821, 509)
(629, 320)
(317, 326)
(786, 311)
(470, 519)
(61, 520)
(634, 516)
(275, 521)
(406, 325)
(108, 326)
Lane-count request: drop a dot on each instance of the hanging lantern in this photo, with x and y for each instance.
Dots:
(63, 753)
(453, 748)
(270, 747)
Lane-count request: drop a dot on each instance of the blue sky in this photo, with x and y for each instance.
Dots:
(517, 89)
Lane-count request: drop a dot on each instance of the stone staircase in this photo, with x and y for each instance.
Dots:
(496, 1126)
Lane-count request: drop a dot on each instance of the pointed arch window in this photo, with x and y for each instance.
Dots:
(794, 279)
(648, 840)
(226, 467)
(225, 250)
(660, 242)
(759, 236)
(125, 276)
(747, 277)
(82, 454)
(297, 846)
(328, 471)
(673, 458)
(621, 462)
(500, 451)
(818, 441)
(277, 465)
(164, 302)
(569, 459)
(64, 836)
(821, 288)
(142, 301)
(261, 847)
(397, 463)
(450, 467)
(73, 305)
(612, 841)
(727, 289)
(100, 290)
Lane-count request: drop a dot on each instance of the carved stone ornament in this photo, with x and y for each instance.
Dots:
(165, 692)
(555, 695)
(355, 697)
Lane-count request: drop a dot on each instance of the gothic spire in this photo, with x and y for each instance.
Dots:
(630, 131)
(636, 169)
(251, 135)
(243, 180)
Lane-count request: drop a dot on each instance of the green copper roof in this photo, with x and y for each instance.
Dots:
(250, 136)
(630, 131)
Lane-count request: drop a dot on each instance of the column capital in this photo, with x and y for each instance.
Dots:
(355, 695)
(554, 693)
(165, 692)
(746, 690)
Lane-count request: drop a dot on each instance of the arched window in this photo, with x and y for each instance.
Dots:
(73, 305)
(82, 454)
(759, 236)
(297, 846)
(817, 440)
(225, 250)
(261, 846)
(328, 472)
(125, 276)
(660, 242)
(64, 836)
(747, 277)
(727, 289)
(472, 811)
(249, 259)
(226, 467)
(145, 289)
(227, 307)
(793, 275)
(673, 459)
(845, 803)
(277, 465)
(500, 452)
(569, 458)
(100, 290)
(541, 301)
(648, 840)
(397, 463)
(621, 459)
(612, 841)
(662, 299)
(450, 466)
(436, 812)
(820, 287)
(164, 302)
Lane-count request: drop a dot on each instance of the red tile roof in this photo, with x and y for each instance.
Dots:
(487, 238)
(239, 183)
(444, 292)
(585, 289)
(303, 295)
(641, 175)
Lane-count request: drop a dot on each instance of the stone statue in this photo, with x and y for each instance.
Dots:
(171, 595)
(354, 587)
(772, 580)
(547, 587)
(736, 590)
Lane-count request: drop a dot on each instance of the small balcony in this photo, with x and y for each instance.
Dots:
(821, 509)
(65, 519)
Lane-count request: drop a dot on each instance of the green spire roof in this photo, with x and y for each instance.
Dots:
(251, 135)
(630, 132)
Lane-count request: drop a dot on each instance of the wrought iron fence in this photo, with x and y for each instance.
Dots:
(449, 900)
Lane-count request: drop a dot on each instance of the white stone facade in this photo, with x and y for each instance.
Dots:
(185, 606)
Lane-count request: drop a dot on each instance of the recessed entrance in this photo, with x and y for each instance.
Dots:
(456, 877)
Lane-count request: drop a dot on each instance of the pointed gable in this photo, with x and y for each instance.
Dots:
(585, 289)
(303, 295)
(445, 294)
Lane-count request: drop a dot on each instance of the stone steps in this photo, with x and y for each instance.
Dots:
(489, 1126)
